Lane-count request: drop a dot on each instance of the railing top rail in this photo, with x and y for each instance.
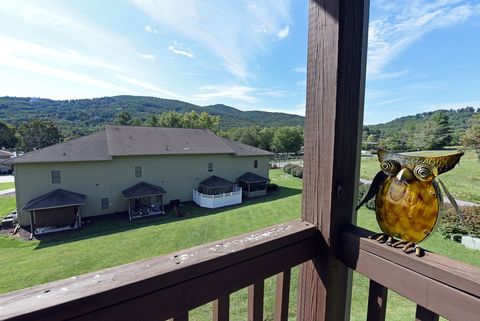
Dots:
(445, 286)
(113, 288)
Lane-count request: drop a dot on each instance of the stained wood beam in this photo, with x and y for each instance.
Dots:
(337, 39)
(377, 302)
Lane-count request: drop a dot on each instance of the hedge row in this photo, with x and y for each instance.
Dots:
(451, 225)
(294, 170)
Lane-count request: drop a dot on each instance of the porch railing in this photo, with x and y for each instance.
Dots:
(169, 286)
(218, 200)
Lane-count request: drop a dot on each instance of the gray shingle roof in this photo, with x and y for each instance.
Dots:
(88, 148)
(249, 177)
(55, 199)
(215, 181)
(136, 140)
(142, 189)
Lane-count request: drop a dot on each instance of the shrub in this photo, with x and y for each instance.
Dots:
(362, 191)
(288, 168)
(297, 172)
(271, 187)
(451, 226)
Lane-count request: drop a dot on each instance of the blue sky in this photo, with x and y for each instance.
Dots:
(248, 54)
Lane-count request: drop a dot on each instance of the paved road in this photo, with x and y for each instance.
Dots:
(6, 178)
(445, 199)
(7, 191)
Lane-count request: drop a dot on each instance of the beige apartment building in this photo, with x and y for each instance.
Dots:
(100, 173)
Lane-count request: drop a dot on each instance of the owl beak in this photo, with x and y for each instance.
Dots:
(405, 175)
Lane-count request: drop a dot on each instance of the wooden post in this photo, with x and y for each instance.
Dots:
(161, 201)
(337, 43)
(130, 209)
(32, 224)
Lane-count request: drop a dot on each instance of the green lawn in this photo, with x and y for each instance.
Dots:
(7, 185)
(110, 243)
(463, 181)
(7, 204)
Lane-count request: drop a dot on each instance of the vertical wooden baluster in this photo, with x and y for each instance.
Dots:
(377, 302)
(282, 293)
(255, 301)
(181, 317)
(423, 314)
(221, 308)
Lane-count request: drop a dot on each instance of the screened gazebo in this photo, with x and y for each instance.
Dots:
(217, 192)
(253, 185)
(144, 199)
(55, 211)
(215, 185)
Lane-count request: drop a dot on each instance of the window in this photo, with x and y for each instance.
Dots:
(104, 202)
(210, 167)
(56, 177)
(255, 164)
(138, 171)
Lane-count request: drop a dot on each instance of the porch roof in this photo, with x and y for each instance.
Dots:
(249, 177)
(142, 189)
(215, 182)
(55, 199)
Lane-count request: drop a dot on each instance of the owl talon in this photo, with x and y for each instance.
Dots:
(418, 251)
(399, 243)
(409, 247)
(390, 241)
(378, 237)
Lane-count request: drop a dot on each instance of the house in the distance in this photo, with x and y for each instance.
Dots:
(4, 155)
(129, 169)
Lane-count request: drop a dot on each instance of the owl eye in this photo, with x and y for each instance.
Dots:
(390, 167)
(424, 172)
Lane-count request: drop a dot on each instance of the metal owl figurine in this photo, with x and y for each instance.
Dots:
(408, 197)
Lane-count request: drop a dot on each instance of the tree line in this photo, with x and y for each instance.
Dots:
(39, 133)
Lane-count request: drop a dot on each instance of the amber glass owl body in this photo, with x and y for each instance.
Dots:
(408, 212)
(408, 198)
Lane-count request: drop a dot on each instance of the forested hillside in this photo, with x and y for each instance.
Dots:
(83, 116)
(414, 132)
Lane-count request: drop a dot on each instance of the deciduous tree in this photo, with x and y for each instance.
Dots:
(36, 134)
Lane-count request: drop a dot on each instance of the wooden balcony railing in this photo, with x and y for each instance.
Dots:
(169, 286)
(438, 285)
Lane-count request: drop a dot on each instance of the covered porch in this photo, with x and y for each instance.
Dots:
(55, 211)
(217, 192)
(144, 199)
(253, 185)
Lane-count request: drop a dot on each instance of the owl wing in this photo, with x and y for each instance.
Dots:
(374, 188)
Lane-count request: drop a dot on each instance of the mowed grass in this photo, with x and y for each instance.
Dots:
(7, 185)
(463, 182)
(110, 243)
(7, 204)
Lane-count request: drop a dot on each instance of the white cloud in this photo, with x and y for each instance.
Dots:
(148, 57)
(397, 26)
(300, 70)
(151, 30)
(246, 94)
(147, 85)
(37, 68)
(234, 31)
(181, 52)
(217, 92)
(18, 47)
(283, 32)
